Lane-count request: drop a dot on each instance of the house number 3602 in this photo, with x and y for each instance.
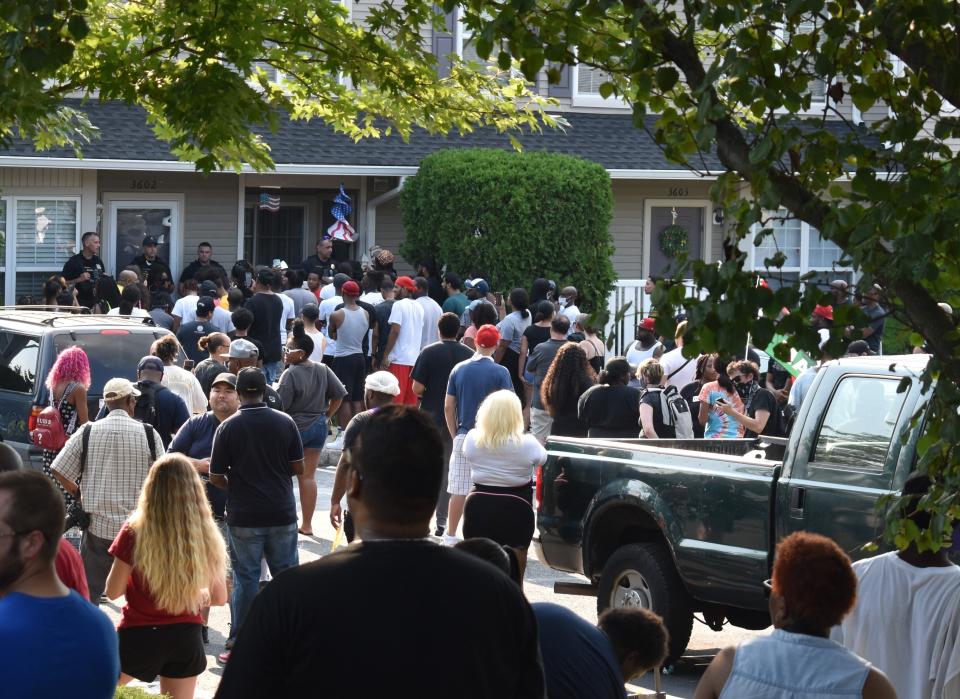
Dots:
(678, 192)
(143, 184)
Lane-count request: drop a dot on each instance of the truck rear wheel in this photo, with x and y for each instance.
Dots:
(643, 575)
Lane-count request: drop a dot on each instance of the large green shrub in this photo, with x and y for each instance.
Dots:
(512, 217)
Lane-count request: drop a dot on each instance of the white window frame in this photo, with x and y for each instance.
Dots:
(10, 280)
(591, 99)
(756, 258)
(817, 106)
(458, 40)
(8, 227)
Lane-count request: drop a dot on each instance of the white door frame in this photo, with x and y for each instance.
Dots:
(707, 237)
(117, 200)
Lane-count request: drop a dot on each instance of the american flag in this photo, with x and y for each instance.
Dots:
(341, 210)
(269, 202)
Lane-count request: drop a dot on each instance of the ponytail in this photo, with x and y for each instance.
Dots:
(726, 383)
(520, 301)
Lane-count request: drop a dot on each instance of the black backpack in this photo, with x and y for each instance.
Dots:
(146, 407)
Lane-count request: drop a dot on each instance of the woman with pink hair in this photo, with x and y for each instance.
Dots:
(67, 385)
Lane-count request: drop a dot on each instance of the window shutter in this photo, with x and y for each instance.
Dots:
(443, 42)
(562, 88)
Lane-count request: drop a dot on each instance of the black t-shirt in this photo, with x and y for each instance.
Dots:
(77, 265)
(146, 266)
(189, 335)
(190, 271)
(382, 312)
(355, 425)
(327, 268)
(652, 398)
(536, 334)
(433, 369)
(260, 489)
(691, 394)
(311, 622)
(566, 422)
(267, 311)
(206, 371)
(763, 400)
(611, 411)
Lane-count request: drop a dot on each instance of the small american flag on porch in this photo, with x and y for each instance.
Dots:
(269, 202)
(341, 210)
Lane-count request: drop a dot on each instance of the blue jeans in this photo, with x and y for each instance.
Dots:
(247, 545)
(271, 370)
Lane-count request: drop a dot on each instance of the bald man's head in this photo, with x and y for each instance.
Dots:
(9, 458)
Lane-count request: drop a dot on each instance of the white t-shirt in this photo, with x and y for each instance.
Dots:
(134, 313)
(372, 297)
(319, 342)
(327, 292)
(221, 320)
(431, 314)
(571, 312)
(907, 623)
(186, 308)
(506, 466)
(288, 315)
(327, 307)
(672, 362)
(185, 385)
(409, 315)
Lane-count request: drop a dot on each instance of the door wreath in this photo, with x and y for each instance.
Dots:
(674, 240)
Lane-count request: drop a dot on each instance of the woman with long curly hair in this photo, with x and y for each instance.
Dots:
(567, 378)
(502, 459)
(176, 378)
(169, 562)
(67, 384)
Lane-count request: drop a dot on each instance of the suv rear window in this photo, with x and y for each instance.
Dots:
(18, 362)
(111, 353)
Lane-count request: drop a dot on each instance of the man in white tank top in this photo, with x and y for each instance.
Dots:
(646, 345)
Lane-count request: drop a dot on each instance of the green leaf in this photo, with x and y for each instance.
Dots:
(666, 77)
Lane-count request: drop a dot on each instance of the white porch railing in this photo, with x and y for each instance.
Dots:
(630, 291)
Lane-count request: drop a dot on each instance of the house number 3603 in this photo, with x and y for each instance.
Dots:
(678, 192)
(142, 185)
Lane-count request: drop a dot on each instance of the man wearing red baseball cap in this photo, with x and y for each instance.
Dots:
(646, 345)
(403, 343)
(470, 382)
(349, 326)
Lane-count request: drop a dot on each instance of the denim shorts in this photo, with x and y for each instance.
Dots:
(315, 436)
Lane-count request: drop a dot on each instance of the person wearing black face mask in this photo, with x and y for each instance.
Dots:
(759, 404)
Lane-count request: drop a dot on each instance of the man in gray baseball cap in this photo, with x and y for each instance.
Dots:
(242, 354)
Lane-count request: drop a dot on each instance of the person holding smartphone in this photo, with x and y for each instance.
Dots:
(714, 396)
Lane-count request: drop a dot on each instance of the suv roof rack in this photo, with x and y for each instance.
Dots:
(38, 316)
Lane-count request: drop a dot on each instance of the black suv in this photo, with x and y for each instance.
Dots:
(30, 342)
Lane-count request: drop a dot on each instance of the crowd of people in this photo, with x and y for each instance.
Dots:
(440, 396)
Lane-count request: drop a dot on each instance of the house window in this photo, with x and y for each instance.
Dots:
(3, 250)
(466, 49)
(816, 87)
(586, 88)
(47, 234)
(805, 251)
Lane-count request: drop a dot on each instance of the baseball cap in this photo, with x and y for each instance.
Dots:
(241, 349)
(839, 284)
(208, 288)
(648, 323)
(149, 240)
(227, 378)
(150, 363)
(487, 336)
(478, 284)
(119, 388)
(310, 311)
(339, 279)
(407, 283)
(382, 382)
(204, 306)
(251, 380)
(825, 312)
(858, 347)
(350, 288)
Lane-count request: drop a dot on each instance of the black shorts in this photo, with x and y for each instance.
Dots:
(171, 650)
(502, 514)
(352, 371)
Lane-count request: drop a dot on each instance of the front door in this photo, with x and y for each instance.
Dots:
(664, 258)
(131, 221)
(275, 235)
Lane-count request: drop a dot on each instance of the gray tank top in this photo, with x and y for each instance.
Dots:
(351, 331)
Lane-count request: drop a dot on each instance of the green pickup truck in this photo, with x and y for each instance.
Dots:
(690, 526)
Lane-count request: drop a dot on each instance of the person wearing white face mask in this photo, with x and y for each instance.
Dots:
(568, 305)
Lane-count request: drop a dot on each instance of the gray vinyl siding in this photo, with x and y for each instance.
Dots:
(23, 180)
(210, 209)
(390, 233)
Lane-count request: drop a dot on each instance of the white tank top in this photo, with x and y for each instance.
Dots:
(637, 354)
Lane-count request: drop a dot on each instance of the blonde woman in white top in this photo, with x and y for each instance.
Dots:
(176, 378)
(502, 461)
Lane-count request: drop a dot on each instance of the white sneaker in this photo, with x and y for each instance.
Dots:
(450, 539)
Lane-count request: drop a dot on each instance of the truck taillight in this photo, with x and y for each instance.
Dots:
(539, 488)
(32, 418)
